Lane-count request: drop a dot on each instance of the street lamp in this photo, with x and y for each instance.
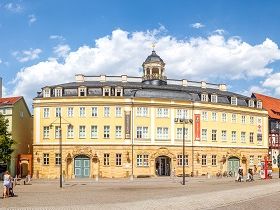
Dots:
(60, 145)
(184, 122)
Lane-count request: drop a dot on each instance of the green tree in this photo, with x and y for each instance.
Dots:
(6, 141)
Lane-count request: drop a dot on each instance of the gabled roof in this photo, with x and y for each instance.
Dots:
(9, 101)
(272, 105)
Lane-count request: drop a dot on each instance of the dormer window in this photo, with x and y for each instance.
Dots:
(259, 104)
(214, 98)
(82, 91)
(118, 91)
(106, 91)
(47, 92)
(251, 103)
(233, 101)
(204, 97)
(58, 92)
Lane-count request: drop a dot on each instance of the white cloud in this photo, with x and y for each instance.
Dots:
(27, 55)
(32, 19)
(197, 25)
(272, 82)
(58, 37)
(210, 58)
(61, 50)
(219, 31)
(13, 7)
(256, 89)
(1, 61)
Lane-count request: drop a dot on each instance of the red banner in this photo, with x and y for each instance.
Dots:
(197, 126)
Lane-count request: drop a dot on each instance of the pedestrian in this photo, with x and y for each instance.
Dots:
(173, 174)
(240, 174)
(6, 184)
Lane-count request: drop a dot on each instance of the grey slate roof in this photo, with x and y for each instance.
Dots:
(138, 89)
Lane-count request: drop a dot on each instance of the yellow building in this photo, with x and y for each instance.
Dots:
(20, 126)
(118, 126)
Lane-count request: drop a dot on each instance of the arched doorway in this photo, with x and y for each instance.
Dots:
(82, 166)
(233, 165)
(162, 166)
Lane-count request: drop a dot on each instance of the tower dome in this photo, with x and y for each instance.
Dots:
(153, 70)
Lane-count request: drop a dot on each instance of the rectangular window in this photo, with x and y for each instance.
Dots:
(46, 113)
(252, 120)
(233, 100)
(82, 91)
(224, 135)
(214, 116)
(107, 91)
(70, 131)
(47, 92)
(142, 160)
(118, 92)
(243, 119)
(142, 111)
(259, 160)
(182, 113)
(46, 133)
(204, 116)
(233, 136)
(180, 160)
(82, 131)
(162, 112)
(94, 111)
(224, 117)
(259, 104)
(204, 97)
(233, 118)
(204, 134)
(214, 98)
(118, 131)
(204, 160)
(106, 111)
(251, 139)
(57, 159)
(243, 137)
(106, 132)
(214, 135)
(251, 103)
(57, 132)
(251, 160)
(82, 111)
(179, 133)
(142, 132)
(106, 159)
(46, 159)
(57, 112)
(162, 133)
(118, 159)
(214, 160)
(57, 92)
(70, 111)
(93, 131)
(118, 111)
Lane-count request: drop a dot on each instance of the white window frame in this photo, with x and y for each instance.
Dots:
(251, 160)
(57, 111)
(224, 135)
(118, 159)
(233, 101)
(205, 116)
(224, 117)
(214, 98)
(204, 97)
(180, 160)
(142, 132)
(182, 113)
(214, 135)
(251, 103)
(57, 132)
(243, 137)
(204, 134)
(82, 132)
(57, 158)
(46, 92)
(214, 160)
(259, 104)
(70, 131)
(118, 111)
(106, 159)
(252, 120)
(82, 111)
(93, 131)
(179, 133)
(204, 160)
(46, 158)
(70, 111)
(142, 111)
(82, 91)
(243, 119)
(233, 136)
(251, 137)
(118, 91)
(162, 112)
(46, 132)
(162, 133)
(58, 92)
(214, 116)
(106, 91)
(233, 118)
(118, 131)
(106, 131)
(46, 112)
(106, 111)
(142, 160)
(94, 111)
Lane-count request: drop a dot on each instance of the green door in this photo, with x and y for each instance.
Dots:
(82, 165)
(233, 165)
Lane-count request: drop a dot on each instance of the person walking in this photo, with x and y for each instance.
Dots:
(6, 184)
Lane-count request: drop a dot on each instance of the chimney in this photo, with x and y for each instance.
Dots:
(0, 87)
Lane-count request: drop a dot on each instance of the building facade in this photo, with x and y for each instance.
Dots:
(122, 126)
(272, 105)
(20, 126)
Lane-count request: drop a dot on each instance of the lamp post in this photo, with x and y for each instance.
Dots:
(184, 122)
(60, 146)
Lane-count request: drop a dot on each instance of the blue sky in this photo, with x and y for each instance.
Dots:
(232, 42)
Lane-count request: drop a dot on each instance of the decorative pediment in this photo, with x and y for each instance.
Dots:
(82, 150)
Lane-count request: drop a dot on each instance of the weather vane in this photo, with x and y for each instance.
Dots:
(153, 46)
